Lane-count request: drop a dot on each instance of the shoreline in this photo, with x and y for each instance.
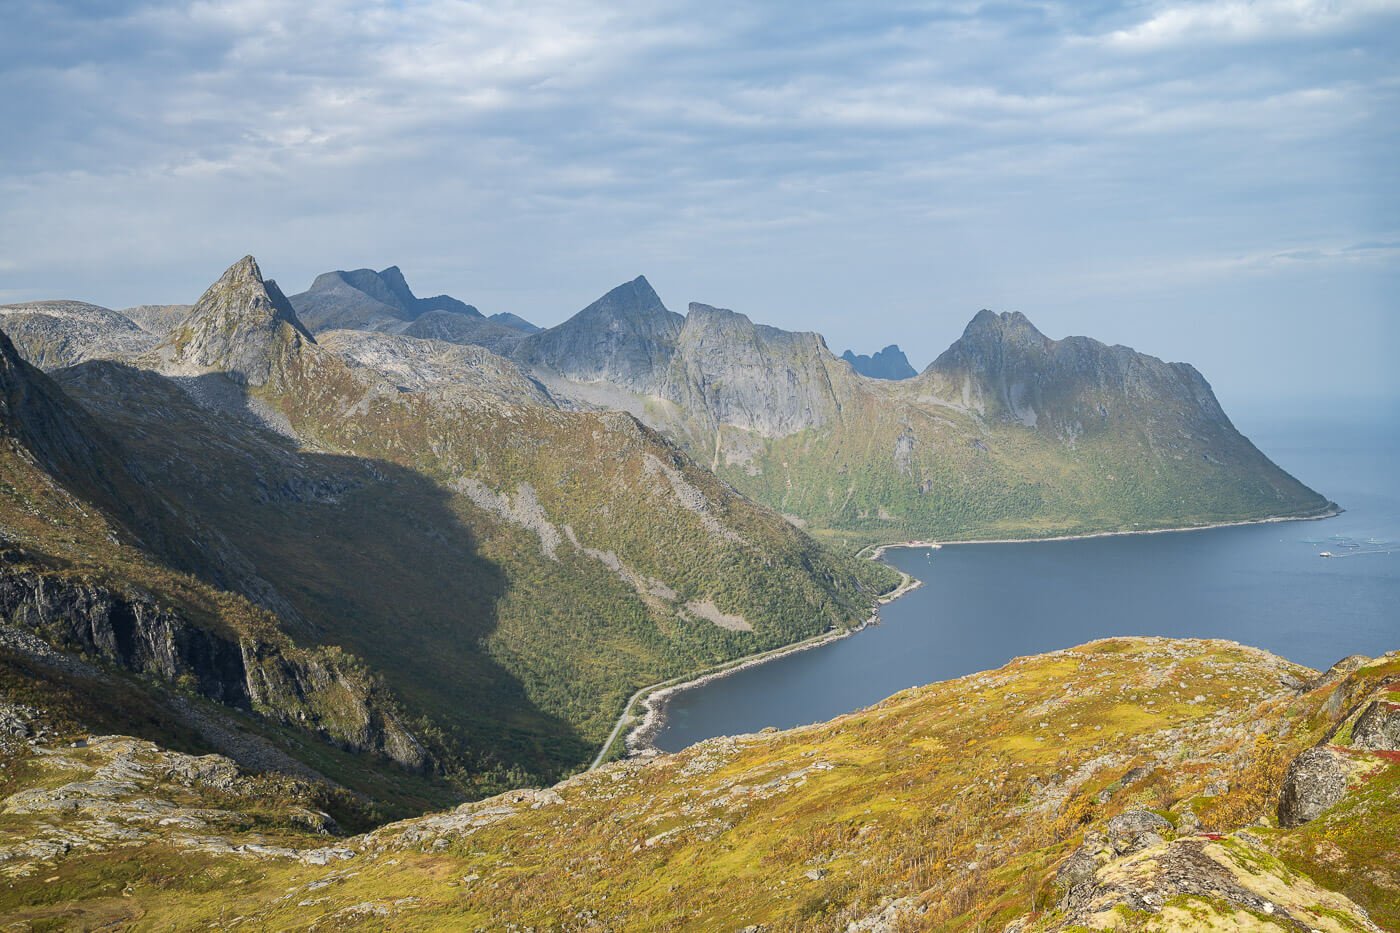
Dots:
(1332, 511)
(653, 699)
(640, 730)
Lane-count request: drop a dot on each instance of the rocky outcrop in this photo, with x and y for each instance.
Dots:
(113, 792)
(130, 631)
(242, 326)
(1378, 727)
(889, 363)
(1197, 883)
(314, 691)
(343, 704)
(1316, 780)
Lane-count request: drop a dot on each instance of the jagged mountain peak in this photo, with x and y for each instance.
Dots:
(889, 363)
(1002, 323)
(242, 325)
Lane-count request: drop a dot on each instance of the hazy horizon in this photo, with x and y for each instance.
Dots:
(1205, 182)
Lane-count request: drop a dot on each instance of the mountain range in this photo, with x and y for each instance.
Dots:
(502, 571)
(1008, 434)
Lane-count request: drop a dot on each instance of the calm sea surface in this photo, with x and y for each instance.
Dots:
(982, 605)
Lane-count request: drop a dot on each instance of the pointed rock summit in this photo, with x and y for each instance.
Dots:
(627, 337)
(242, 325)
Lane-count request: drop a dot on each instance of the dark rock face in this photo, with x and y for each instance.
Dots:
(1316, 780)
(1007, 368)
(134, 633)
(626, 338)
(1377, 728)
(889, 363)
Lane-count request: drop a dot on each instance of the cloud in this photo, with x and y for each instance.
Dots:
(1233, 21)
(794, 160)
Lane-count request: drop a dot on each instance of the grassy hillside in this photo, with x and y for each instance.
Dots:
(1126, 784)
(894, 468)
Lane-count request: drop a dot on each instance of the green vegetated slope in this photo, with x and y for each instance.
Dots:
(901, 468)
(506, 572)
(1129, 784)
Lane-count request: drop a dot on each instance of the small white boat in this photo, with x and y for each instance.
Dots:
(1325, 554)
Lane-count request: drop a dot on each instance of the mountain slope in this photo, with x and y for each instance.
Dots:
(95, 562)
(369, 300)
(510, 570)
(1128, 784)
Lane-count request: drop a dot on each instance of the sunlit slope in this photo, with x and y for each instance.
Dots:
(1126, 784)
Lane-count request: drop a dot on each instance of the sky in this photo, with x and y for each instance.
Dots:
(1211, 182)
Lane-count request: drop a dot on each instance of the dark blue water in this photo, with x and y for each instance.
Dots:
(983, 604)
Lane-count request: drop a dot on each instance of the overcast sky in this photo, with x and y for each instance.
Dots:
(1212, 182)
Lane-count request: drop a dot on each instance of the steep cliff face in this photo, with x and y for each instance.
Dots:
(1003, 367)
(318, 693)
(131, 631)
(727, 370)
